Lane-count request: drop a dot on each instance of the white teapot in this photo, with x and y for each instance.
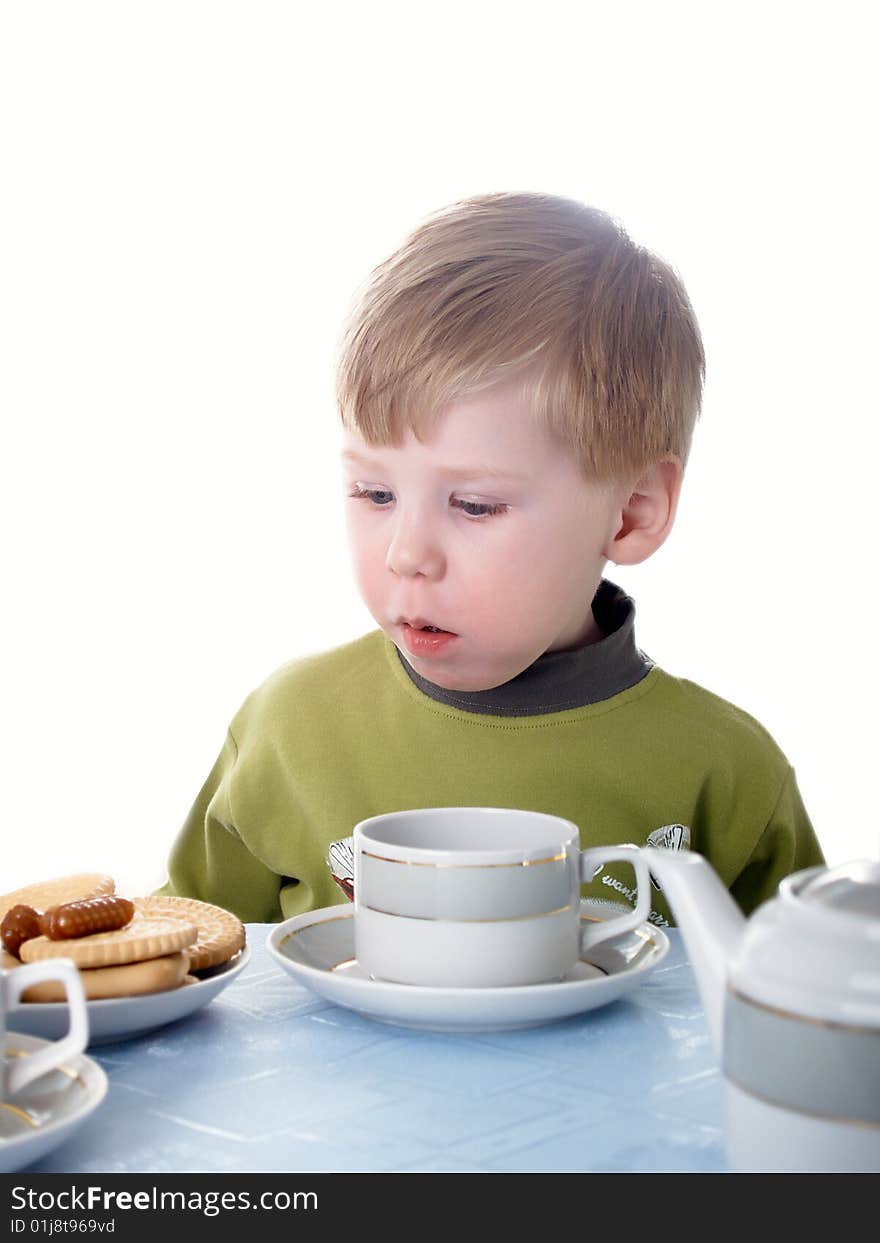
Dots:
(792, 1000)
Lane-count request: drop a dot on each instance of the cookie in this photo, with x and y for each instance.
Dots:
(18, 925)
(221, 934)
(142, 938)
(131, 980)
(48, 893)
(79, 919)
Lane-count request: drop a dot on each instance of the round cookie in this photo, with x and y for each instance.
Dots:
(140, 939)
(221, 934)
(56, 892)
(155, 975)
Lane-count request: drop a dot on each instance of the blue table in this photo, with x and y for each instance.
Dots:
(270, 1078)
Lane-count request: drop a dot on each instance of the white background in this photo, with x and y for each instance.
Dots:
(192, 192)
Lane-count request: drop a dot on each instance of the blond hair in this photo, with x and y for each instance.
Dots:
(534, 287)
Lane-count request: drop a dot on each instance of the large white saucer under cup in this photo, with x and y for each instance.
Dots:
(317, 950)
(47, 1111)
(121, 1018)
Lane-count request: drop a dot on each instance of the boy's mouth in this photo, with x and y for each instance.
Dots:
(423, 638)
(419, 623)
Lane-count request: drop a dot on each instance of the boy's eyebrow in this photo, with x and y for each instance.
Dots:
(452, 472)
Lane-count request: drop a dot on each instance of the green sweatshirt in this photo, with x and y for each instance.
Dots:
(601, 736)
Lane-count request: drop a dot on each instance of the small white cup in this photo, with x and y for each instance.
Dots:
(17, 1073)
(478, 897)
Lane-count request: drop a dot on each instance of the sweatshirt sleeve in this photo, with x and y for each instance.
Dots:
(787, 844)
(210, 861)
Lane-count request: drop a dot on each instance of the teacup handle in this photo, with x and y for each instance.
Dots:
(590, 861)
(31, 1067)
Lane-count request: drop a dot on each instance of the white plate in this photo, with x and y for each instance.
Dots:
(120, 1018)
(317, 949)
(42, 1115)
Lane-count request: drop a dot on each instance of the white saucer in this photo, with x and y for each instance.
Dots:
(42, 1115)
(120, 1018)
(317, 949)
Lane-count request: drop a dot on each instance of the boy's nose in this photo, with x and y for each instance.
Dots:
(415, 548)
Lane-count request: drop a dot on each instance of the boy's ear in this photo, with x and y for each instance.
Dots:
(646, 517)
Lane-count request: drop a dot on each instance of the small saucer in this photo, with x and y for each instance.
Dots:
(121, 1018)
(42, 1115)
(317, 949)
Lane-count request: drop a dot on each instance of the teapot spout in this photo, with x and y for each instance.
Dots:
(711, 924)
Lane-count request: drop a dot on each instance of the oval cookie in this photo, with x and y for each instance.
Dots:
(62, 889)
(221, 934)
(132, 980)
(142, 938)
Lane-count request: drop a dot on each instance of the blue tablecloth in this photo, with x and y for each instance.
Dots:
(270, 1078)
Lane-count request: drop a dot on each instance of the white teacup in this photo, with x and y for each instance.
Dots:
(18, 1072)
(478, 897)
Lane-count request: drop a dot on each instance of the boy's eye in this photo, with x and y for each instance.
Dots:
(381, 497)
(377, 495)
(478, 509)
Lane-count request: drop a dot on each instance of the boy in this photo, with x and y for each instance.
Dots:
(518, 387)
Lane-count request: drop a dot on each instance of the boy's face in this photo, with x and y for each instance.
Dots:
(488, 531)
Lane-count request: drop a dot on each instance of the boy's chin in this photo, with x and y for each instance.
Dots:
(451, 679)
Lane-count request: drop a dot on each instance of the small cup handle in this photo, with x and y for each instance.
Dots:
(44, 1060)
(591, 860)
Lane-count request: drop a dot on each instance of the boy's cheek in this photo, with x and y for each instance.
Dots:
(498, 607)
(367, 552)
(368, 582)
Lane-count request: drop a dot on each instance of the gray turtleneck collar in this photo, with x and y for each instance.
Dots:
(558, 681)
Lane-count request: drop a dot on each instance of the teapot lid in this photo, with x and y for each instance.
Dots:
(851, 889)
(813, 950)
